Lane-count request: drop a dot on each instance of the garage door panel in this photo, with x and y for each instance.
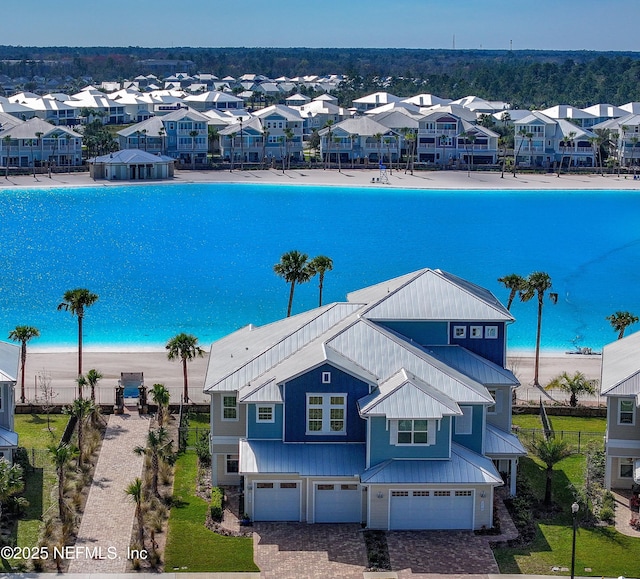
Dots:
(276, 501)
(431, 510)
(337, 503)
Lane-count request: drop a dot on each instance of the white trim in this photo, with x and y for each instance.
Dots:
(271, 420)
(326, 408)
(223, 407)
(226, 439)
(326, 377)
(227, 456)
(632, 411)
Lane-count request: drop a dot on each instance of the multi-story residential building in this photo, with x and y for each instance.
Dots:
(9, 360)
(36, 143)
(392, 409)
(210, 100)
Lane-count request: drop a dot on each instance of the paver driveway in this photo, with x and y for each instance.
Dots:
(298, 550)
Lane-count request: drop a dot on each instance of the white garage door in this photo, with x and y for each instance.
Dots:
(276, 501)
(338, 503)
(431, 509)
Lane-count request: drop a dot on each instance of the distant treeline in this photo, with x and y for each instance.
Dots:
(524, 78)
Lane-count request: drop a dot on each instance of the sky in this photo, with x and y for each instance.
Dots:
(601, 25)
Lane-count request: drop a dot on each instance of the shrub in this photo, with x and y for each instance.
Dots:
(217, 499)
(203, 451)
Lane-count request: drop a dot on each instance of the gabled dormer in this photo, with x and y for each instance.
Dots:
(407, 418)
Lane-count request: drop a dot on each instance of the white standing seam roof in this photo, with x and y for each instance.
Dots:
(250, 352)
(267, 391)
(404, 396)
(9, 361)
(464, 467)
(437, 295)
(383, 354)
(500, 443)
(621, 367)
(476, 367)
(8, 438)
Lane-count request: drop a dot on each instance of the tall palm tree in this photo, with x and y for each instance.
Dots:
(502, 144)
(193, 134)
(514, 283)
(328, 126)
(620, 321)
(293, 268)
(443, 144)
(288, 136)
(39, 135)
(23, 334)
(62, 455)
(80, 409)
(522, 133)
(265, 139)
(634, 144)
(320, 265)
(536, 285)
(135, 492)
(160, 395)
(7, 143)
(158, 448)
(92, 381)
(573, 385)
(550, 451)
(76, 301)
(185, 348)
(378, 139)
(161, 133)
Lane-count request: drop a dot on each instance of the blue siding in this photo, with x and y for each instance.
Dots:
(424, 333)
(488, 348)
(380, 448)
(272, 430)
(296, 405)
(472, 441)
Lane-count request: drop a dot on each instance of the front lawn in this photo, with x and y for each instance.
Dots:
(190, 545)
(35, 431)
(600, 551)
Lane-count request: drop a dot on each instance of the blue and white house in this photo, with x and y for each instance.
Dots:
(9, 361)
(391, 409)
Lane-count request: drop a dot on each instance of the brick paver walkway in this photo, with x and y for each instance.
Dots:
(105, 532)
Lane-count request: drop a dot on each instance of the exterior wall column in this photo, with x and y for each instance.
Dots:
(514, 475)
(607, 472)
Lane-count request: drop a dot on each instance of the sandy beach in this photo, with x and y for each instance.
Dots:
(61, 367)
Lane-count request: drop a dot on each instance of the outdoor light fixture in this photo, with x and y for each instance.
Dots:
(380, 495)
(575, 507)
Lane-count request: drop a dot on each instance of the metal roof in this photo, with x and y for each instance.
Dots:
(499, 443)
(129, 156)
(464, 467)
(404, 396)
(9, 360)
(383, 354)
(472, 365)
(437, 295)
(268, 391)
(8, 438)
(620, 367)
(276, 457)
(250, 352)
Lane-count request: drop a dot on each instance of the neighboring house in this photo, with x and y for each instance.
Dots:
(620, 384)
(392, 409)
(541, 141)
(243, 141)
(574, 115)
(374, 100)
(131, 164)
(359, 140)
(625, 132)
(9, 361)
(210, 100)
(277, 121)
(37, 143)
(101, 107)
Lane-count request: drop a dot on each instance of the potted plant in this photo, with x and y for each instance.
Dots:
(245, 521)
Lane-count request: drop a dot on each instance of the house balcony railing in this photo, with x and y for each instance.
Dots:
(438, 133)
(187, 132)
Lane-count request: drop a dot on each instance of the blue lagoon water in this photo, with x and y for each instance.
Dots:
(199, 258)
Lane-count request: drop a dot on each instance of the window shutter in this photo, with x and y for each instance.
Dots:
(393, 429)
(431, 432)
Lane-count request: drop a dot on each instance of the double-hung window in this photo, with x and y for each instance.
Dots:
(229, 408)
(626, 411)
(326, 413)
(412, 432)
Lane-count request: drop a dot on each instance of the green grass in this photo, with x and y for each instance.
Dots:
(190, 545)
(578, 424)
(527, 421)
(603, 550)
(33, 431)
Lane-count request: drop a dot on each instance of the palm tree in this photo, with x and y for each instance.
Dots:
(23, 334)
(293, 268)
(39, 135)
(92, 380)
(7, 143)
(443, 144)
(193, 134)
(469, 138)
(33, 161)
(378, 139)
(184, 347)
(80, 409)
(160, 395)
(522, 134)
(158, 448)
(161, 133)
(620, 321)
(320, 265)
(265, 138)
(536, 284)
(354, 138)
(502, 143)
(514, 283)
(328, 126)
(387, 141)
(410, 138)
(288, 137)
(573, 385)
(550, 451)
(634, 143)
(62, 455)
(75, 301)
(11, 482)
(232, 136)
(135, 493)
